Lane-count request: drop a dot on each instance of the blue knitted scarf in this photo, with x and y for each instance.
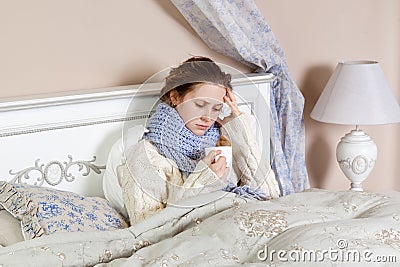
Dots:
(175, 141)
(167, 131)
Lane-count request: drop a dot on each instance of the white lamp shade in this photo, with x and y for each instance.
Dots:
(357, 94)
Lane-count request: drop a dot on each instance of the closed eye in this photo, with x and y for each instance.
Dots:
(200, 105)
(217, 107)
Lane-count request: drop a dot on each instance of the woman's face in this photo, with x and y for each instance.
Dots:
(200, 108)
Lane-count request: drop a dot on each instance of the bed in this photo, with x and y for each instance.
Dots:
(56, 149)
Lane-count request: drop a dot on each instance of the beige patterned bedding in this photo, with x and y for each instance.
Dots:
(312, 228)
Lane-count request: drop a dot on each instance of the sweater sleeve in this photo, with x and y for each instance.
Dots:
(142, 190)
(150, 182)
(249, 167)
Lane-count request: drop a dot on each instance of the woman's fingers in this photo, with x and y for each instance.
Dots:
(234, 111)
(234, 107)
(210, 157)
(219, 166)
(230, 95)
(229, 100)
(221, 162)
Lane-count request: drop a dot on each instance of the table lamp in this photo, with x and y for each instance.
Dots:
(357, 94)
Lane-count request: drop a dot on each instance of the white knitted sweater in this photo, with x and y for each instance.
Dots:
(151, 181)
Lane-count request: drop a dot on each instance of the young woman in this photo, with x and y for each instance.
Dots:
(170, 164)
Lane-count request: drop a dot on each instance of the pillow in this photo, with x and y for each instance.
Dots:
(44, 211)
(111, 186)
(10, 229)
(253, 124)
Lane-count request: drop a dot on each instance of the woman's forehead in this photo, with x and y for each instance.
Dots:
(208, 91)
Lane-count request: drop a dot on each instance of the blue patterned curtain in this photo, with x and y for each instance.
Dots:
(237, 28)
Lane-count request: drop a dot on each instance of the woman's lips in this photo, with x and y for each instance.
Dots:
(202, 127)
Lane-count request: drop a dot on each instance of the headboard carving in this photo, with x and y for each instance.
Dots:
(54, 172)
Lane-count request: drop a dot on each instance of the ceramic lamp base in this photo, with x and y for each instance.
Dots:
(356, 154)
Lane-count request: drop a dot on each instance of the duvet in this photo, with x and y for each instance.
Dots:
(311, 228)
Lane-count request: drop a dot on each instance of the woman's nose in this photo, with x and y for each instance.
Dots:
(206, 114)
(205, 118)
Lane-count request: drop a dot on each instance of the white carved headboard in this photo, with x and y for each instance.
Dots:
(63, 140)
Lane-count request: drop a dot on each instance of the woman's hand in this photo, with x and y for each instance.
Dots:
(219, 167)
(230, 100)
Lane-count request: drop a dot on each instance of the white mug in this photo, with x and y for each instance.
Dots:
(226, 151)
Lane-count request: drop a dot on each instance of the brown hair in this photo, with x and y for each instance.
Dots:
(194, 71)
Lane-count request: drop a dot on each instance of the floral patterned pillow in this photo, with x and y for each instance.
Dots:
(44, 211)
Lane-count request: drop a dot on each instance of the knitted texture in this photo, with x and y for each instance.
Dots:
(175, 141)
(150, 180)
(245, 191)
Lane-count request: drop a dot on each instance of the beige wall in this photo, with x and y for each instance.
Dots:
(315, 35)
(49, 46)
